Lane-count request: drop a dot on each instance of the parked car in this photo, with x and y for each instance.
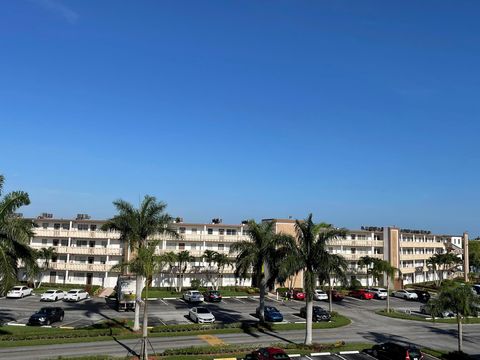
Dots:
(193, 296)
(476, 288)
(271, 314)
(47, 316)
(392, 351)
(212, 296)
(379, 293)
(268, 353)
(52, 295)
(423, 295)
(337, 295)
(405, 294)
(361, 294)
(201, 315)
(19, 292)
(426, 309)
(319, 313)
(296, 294)
(76, 295)
(320, 295)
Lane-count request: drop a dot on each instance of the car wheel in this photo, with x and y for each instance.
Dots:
(56, 298)
(61, 318)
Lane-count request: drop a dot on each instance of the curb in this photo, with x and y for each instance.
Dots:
(294, 355)
(150, 299)
(66, 327)
(321, 354)
(170, 298)
(349, 352)
(15, 324)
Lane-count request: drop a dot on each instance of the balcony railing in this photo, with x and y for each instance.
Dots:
(79, 266)
(353, 243)
(84, 250)
(85, 234)
(357, 257)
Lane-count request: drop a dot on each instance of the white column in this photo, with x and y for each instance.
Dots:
(66, 277)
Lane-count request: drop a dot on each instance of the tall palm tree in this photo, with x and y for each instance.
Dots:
(221, 261)
(384, 267)
(183, 259)
(309, 255)
(435, 262)
(45, 255)
(136, 226)
(460, 300)
(366, 261)
(209, 258)
(262, 255)
(334, 266)
(15, 234)
(147, 264)
(171, 260)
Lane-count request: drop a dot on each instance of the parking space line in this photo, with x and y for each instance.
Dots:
(240, 301)
(163, 301)
(340, 356)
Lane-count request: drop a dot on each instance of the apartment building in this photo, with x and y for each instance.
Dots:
(86, 254)
(405, 249)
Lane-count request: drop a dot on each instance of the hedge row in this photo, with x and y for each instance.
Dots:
(61, 335)
(193, 327)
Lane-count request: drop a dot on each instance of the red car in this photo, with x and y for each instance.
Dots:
(337, 296)
(296, 294)
(268, 353)
(361, 294)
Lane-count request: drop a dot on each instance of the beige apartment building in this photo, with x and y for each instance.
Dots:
(86, 254)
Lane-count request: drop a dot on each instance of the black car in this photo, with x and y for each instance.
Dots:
(46, 316)
(423, 295)
(212, 296)
(392, 351)
(319, 314)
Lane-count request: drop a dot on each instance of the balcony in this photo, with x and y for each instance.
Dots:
(415, 256)
(79, 266)
(196, 253)
(85, 234)
(202, 237)
(356, 257)
(356, 243)
(421, 244)
(84, 250)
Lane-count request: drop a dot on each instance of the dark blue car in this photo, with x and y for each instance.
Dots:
(272, 314)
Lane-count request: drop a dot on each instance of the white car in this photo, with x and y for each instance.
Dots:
(76, 295)
(19, 292)
(201, 315)
(320, 295)
(379, 293)
(52, 295)
(193, 296)
(405, 294)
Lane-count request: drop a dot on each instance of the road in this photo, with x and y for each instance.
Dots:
(366, 327)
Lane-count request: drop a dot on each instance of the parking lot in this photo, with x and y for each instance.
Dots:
(174, 311)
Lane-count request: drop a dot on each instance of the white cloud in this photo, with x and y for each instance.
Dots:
(59, 9)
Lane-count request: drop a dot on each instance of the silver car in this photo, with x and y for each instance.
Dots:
(201, 315)
(405, 294)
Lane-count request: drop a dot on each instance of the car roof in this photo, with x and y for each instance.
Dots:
(274, 350)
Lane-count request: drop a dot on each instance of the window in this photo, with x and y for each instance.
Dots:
(221, 231)
(353, 236)
(65, 226)
(82, 226)
(44, 241)
(194, 230)
(193, 246)
(45, 225)
(354, 250)
(221, 246)
(81, 243)
(181, 246)
(231, 232)
(210, 231)
(104, 244)
(56, 226)
(93, 227)
(182, 230)
(64, 242)
(55, 242)
(103, 260)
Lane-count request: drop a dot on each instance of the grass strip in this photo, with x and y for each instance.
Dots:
(404, 316)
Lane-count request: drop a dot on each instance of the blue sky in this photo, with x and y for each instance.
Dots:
(364, 113)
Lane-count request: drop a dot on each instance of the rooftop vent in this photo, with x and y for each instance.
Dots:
(178, 220)
(45, 216)
(83, 217)
(216, 221)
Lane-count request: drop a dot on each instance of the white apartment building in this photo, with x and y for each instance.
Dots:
(87, 254)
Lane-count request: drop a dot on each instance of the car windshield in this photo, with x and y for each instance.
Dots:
(44, 311)
(72, 292)
(16, 288)
(195, 293)
(414, 353)
(318, 310)
(214, 292)
(280, 356)
(271, 308)
(203, 311)
(50, 292)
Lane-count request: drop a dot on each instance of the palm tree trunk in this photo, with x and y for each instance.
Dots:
(330, 301)
(308, 329)
(138, 302)
(144, 354)
(460, 333)
(388, 293)
(263, 290)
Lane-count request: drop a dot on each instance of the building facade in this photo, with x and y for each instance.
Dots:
(86, 254)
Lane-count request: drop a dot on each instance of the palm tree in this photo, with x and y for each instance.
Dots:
(222, 261)
(46, 255)
(384, 267)
(171, 260)
(209, 258)
(449, 262)
(309, 254)
(15, 234)
(366, 261)
(459, 299)
(262, 254)
(435, 262)
(183, 258)
(135, 227)
(334, 266)
(147, 264)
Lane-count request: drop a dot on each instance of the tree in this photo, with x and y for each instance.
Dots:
(45, 255)
(384, 267)
(15, 234)
(209, 271)
(183, 259)
(310, 255)
(444, 262)
(216, 265)
(262, 255)
(334, 266)
(135, 227)
(146, 264)
(367, 262)
(474, 255)
(459, 299)
(434, 262)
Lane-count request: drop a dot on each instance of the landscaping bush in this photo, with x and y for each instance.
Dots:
(64, 334)
(195, 284)
(355, 284)
(457, 355)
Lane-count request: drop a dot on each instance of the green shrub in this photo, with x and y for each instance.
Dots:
(65, 334)
(355, 284)
(195, 284)
(457, 355)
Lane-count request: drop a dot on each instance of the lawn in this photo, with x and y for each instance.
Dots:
(404, 316)
(227, 291)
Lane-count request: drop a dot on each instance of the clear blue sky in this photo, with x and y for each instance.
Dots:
(364, 113)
